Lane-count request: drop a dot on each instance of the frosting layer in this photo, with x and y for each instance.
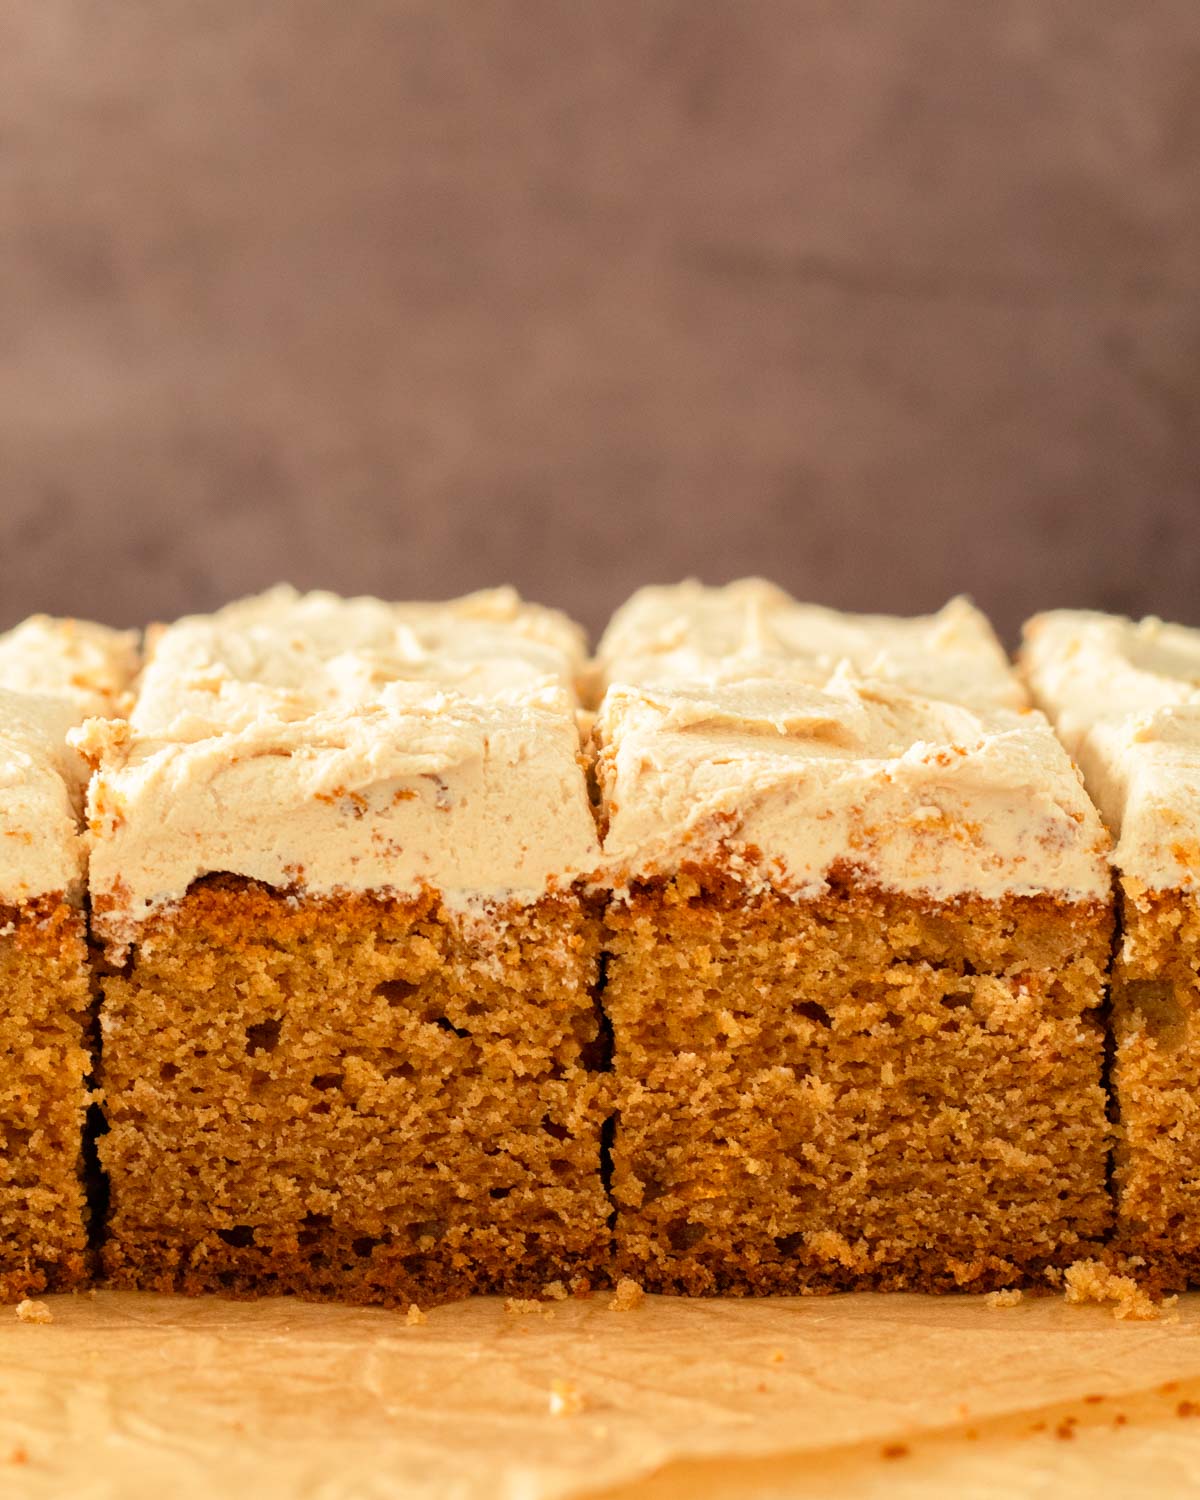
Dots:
(1125, 698)
(751, 628)
(334, 744)
(53, 674)
(786, 742)
(784, 783)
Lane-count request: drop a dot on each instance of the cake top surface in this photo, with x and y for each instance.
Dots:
(53, 674)
(86, 666)
(1125, 697)
(785, 783)
(286, 655)
(751, 628)
(346, 745)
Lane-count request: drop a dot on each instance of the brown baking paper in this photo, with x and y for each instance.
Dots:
(168, 1398)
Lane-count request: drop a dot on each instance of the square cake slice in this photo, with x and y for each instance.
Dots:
(53, 673)
(350, 1036)
(1125, 698)
(858, 938)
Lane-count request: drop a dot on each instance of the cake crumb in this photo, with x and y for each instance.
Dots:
(34, 1312)
(827, 1244)
(414, 1315)
(895, 1450)
(1007, 1298)
(518, 1305)
(629, 1294)
(1188, 1409)
(555, 1291)
(566, 1400)
(1093, 1281)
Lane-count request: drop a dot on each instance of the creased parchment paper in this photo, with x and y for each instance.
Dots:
(134, 1396)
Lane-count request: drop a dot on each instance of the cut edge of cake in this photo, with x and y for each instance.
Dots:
(348, 843)
(897, 845)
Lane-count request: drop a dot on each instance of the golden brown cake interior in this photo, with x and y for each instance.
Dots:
(43, 1097)
(857, 1090)
(1156, 1083)
(357, 1098)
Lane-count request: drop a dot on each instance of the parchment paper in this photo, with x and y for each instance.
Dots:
(166, 1398)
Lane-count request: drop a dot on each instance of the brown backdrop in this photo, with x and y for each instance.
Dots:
(884, 299)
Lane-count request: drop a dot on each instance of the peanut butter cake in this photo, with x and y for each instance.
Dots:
(857, 947)
(338, 855)
(1126, 701)
(53, 673)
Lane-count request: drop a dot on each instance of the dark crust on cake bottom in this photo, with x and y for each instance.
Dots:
(70, 1273)
(333, 1268)
(1161, 1265)
(736, 1277)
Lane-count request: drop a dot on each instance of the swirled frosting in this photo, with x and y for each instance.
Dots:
(751, 628)
(326, 744)
(53, 674)
(785, 742)
(1125, 697)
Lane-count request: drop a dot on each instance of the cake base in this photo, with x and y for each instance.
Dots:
(355, 1098)
(1156, 1086)
(856, 1091)
(43, 1097)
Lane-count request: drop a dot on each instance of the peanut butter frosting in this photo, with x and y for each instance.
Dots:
(53, 674)
(1125, 697)
(345, 745)
(490, 644)
(783, 782)
(751, 628)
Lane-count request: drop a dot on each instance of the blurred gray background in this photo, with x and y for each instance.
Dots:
(884, 300)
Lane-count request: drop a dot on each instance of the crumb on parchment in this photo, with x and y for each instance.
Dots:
(555, 1291)
(1093, 1281)
(1009, 1297)
(515, 1306)
(34, 1312)
(414, 1316)
(566, 1400)
(629, 1294)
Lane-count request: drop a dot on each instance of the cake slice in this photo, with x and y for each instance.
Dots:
(858, 937)
(53, 673)
(350, 1043)
(1125, 698)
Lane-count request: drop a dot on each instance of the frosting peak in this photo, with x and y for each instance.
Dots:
(1125, 697)
(751, 628)
(786, 783)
